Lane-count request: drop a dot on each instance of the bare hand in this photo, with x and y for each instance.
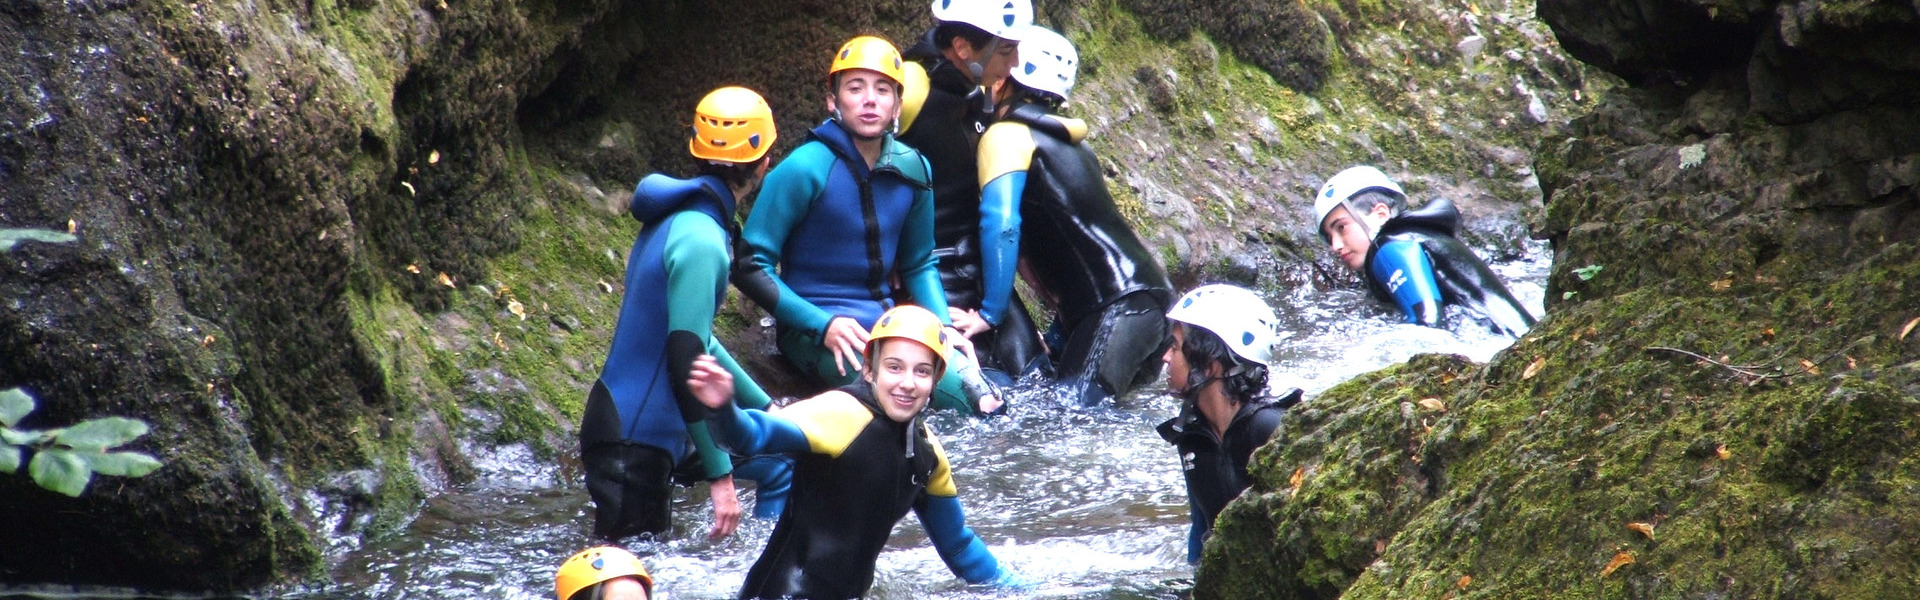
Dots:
(847, 340)
(968, 322)
(711, 384)
(961, 344)
(726, 507)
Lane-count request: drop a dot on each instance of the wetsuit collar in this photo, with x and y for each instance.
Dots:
(1439, 215)
(659, 196)
(1040, 118)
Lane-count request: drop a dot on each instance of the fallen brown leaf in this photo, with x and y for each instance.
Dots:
(1299, 476)
(518, 309)
(1903, 330)
(1809, 366)
(1645, 529)
(206, 341)
(445, 280)
(1463, 582)
(414, 269)
(1619, 560)
(1534, 368)
(1721, 285)
(1433, 404)
(1722, 452)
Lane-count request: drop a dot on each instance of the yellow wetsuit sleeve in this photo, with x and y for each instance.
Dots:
(1006, 147)
(830, 421)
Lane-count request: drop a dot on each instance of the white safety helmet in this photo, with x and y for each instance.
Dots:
(1344, 185)
(1238, 316)
(1048, 62)
(1005, 19)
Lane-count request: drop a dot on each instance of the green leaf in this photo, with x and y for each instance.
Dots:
(9, 459)
(14, 405)
(10, 237)
(60, 471)
(1587, 272)
(100, 434)
(122, 464)
(23, 438)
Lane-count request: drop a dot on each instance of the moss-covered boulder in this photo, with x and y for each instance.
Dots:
(1722, 398)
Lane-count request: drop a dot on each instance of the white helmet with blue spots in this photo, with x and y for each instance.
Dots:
(1048, 62)
(1335, 192)
(1235, 314)
(1005, 19)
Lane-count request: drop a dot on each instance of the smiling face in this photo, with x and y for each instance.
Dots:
(866, 101)
(903, 374)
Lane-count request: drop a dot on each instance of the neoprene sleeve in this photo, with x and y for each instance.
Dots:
(1407, 273)
(1000, 243)
(964, 553)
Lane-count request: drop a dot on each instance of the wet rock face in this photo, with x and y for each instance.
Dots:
(1731, 328)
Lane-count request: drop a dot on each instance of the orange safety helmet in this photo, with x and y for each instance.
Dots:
(871, 53)
(913, 323)
(596, 565)
(732, 124)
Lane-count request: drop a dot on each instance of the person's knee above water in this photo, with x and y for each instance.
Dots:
(1217, 366)
(1044, 201)
(865, 459)
(602, 573)
(638, 423)
(1411, 257)
(952, 73)
(823, 288)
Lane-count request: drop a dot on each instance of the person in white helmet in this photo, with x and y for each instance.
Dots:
(1411, 258)
(1045, 214)
(1222, 343)
(952, 74)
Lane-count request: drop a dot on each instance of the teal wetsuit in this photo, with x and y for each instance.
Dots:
(829, 237)
(640, 419)
(857, 474)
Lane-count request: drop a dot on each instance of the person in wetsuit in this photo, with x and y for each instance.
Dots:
(840, 219)
(865, 458)
(947, 102)
(1223, 341)
(637, 425)
(1411, 258)
(1042, 186)
(602, 573)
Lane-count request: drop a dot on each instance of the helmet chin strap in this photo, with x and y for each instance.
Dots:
(1358, 217)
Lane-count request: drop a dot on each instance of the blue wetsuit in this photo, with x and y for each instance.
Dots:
(1042, 191)
(640, 419)
(857, 474)
(829, 236)
(1416, 263)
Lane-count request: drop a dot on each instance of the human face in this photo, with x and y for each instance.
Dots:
(903, 375)
(866, 101)
(624, 588)
(1177, 368)
(1349, 236)
(996, 60)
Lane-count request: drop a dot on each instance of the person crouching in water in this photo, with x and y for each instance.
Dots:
(640, 421)
(1411, 258)
(864, 459)
(602, 573)
(1222, 342)
(1044, 206)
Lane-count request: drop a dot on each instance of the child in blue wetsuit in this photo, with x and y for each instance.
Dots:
(864, 459)
(845, 216)
(1411, 258)
(640, 422)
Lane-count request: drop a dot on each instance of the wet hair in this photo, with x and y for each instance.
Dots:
(1203, 349)
(735, 174)
(1365, 201)
(1024, 92)
(944, 34)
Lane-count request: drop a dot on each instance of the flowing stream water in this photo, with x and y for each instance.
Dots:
(1085, 503)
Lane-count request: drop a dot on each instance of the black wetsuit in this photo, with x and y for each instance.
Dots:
(946, 132)
(1110, 291)
(1395, 272)
(1216, 466)
(856, 474)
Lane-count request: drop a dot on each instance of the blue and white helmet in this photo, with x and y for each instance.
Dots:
(1335, 192)
(1236, 314)
(1005, 19)
(1048, 62)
